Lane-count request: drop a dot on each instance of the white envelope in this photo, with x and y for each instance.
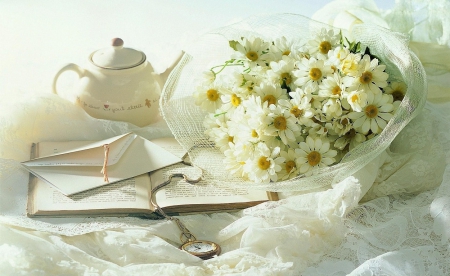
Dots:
(79, 168)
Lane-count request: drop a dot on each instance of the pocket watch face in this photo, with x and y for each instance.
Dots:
(201, 249)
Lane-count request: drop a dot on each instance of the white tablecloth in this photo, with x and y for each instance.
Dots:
(320, 233)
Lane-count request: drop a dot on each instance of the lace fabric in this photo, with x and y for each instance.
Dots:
(400, 227)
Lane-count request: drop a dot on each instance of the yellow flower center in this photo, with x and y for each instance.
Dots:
(366, 78)
(286, 52)
(344, 122)
(314, 158)
(286, 77)
(235, 100)
(336, 90)
(324, 47)
(354, 98)
(212, 95)
(252, 55)
(371, 111)
(280, 123)
(333, 68)
(263, 163)
(231, 139)
(297, 112)
(398, 95)
(254, 134)
(270, 99)
(315, 74)
(290, 165)
(348, 65)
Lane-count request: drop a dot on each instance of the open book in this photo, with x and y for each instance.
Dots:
(131, 197)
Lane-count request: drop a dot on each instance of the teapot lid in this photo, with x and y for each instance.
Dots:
(116, 57)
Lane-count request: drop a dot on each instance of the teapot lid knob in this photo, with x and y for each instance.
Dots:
(117, 42)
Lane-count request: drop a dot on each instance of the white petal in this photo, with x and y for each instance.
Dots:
(325, 147)
(304, 168)
(385, 116)
(381, 123)
(365, 126)
(318, 144)
(386, 108)
(359, 122)
(374, 126)
(355, 115)
(327, 161)
(330, 153)
(310, 142)
(304, 147)
(301, 160)
(290, 135)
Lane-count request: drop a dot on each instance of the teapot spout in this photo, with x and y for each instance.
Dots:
(164, 75)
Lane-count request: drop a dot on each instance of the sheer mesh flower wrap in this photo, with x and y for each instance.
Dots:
(321, 115)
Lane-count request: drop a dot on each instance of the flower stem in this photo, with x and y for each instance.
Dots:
(227, 63)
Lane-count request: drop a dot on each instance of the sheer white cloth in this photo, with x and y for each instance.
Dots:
(400, 227)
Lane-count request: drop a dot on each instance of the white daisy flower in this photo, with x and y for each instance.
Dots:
(349, 140)
(341, 125)
(244, 130)
(357, 100)
(332, 108)
(235, 157)
(397, 90)
(371, 76)
(332, 87)
(319, 129)
(350, 64)
(282, 124)
(289, 167)
(314, 153)
(256, 110)
(311, 72)
(282, 47)
(231, 100)
(375, 115)
(299, 106)
(270, 93)
(264, 165)
(281, 72)
(208, 97)
(322, 43)
(253, 51)
(218, 132)
(208, 77)
(336, 57)
(246, 83)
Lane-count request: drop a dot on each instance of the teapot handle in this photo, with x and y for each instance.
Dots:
(67, 67)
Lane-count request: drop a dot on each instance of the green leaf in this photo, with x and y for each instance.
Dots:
(233, 44)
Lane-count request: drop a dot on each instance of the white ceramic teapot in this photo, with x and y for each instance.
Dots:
(118, 84)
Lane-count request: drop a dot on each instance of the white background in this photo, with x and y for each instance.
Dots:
(39, 36)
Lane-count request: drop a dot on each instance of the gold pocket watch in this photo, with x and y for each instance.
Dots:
(202, 249)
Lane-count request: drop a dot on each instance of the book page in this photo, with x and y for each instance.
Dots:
(127, 194)
(180, 192)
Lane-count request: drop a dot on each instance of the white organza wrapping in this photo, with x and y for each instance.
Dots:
(185, 119)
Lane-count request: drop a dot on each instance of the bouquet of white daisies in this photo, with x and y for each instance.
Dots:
(283, 103)
(279, 109)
